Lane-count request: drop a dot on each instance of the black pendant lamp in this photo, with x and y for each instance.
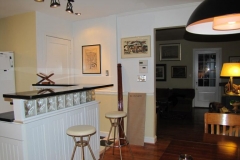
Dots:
(39, 0)
(69, 7)
(54, 3)
(215, 17)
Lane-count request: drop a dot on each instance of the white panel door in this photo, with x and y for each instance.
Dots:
(206, 76)
(58, 60)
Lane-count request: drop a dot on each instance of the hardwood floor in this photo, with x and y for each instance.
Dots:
(171, 132)
(183, 135)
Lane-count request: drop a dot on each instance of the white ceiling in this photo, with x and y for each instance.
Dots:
(88, 8)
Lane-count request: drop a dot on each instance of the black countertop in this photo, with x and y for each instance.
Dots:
(54, 85)
(54, 91)
(7, 116)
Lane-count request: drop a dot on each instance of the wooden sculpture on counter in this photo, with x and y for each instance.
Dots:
(45, 77)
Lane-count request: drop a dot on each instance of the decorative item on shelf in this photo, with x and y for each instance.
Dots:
(221, 19)
(235, 88)
(235, 105)
(45, 77)
(230, 70)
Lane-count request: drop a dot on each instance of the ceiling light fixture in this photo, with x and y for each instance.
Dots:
(69, 7)
(215, 17)
(54, 3)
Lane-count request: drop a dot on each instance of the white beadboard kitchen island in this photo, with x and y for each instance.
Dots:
(41, 118)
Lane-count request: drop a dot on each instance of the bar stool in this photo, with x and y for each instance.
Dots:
(81, 131)
(116, 118)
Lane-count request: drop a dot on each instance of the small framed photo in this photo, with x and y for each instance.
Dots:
(234, 59)
(161, 72)
(91, 59)
(179, 71)
(136, 47)
(170, 52)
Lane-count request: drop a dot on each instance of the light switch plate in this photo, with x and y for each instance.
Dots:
(141, 78)
(143, 69)
(143, 62)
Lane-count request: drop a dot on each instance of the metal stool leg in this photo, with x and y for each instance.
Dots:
(117, 127)
(125, 137)
(107, 141)
(82, 147)
(119, 142)
(74, 150)
(89, 147)
(114, 134)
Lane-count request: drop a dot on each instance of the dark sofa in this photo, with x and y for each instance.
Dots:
(176, 99)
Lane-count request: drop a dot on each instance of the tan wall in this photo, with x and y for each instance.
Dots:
(18, 34)
(109, 102)
(228, 49)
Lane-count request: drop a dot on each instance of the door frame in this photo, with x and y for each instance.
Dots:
(218, 69)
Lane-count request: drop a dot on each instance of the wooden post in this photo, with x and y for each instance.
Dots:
(120, 99)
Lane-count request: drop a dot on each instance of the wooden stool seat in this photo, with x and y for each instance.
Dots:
(81, 131)
(116, 114)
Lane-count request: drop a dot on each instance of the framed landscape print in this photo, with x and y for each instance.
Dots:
(179, 71)
(170, 52)
(91, 59)
(135, 47)
(161, 72)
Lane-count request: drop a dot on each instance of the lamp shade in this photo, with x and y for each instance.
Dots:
(230, 70)
(215, 17)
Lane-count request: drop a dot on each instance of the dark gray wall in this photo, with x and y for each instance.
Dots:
(228, 49)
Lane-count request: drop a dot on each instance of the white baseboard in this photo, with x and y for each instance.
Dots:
(151, 140)
(103, 134)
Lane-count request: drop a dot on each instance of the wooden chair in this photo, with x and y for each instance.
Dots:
(222, 124)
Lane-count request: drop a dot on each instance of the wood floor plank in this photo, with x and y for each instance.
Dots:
(175, 137)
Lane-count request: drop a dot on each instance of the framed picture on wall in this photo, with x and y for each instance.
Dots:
(179, 71)
(161, 72)
(91, 59)
(136, 47)
(170, 52)
(234, 59)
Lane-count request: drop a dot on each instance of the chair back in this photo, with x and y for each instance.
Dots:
(222, 124)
